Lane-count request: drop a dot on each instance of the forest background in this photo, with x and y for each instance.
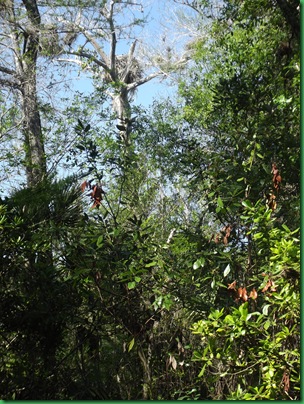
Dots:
(150, 251)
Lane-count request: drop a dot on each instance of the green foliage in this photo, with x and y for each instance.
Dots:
(36, 303)
(250, 352)
(183, 283)
(240, 101)
(240, 96)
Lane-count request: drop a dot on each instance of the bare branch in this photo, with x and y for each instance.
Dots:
(133, 86)
(76, 61)
(113, 37)
(98, 48)
(32, 11)
(88, 56)
(7, 71)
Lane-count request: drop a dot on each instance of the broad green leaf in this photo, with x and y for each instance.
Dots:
(286, 228)
(167, 302)
(199, 263)
(202, 371)
(247, 204)
(243, 309)
(131, 344)
(87, 128)
(252, 314)
(229, 319)
(151, 264)
(220, 202)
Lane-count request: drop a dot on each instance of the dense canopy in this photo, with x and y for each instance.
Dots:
(150, 252)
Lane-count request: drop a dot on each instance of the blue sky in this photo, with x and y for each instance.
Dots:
(145, 94)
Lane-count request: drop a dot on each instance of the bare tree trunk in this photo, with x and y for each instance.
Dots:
(24, 37)
(32, 131)
(35, 162)
(122, 109)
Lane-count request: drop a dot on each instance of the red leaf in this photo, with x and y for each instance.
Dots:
(268, 285)
(240, 293)
(253, 294)
(244, 295)
(83, 186)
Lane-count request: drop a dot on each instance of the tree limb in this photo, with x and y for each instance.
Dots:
(7, 71)
(129, 61)
(90, 57)
(144, 80)
(9, 83)
(113, 39)
(98, 48)
(32, 11)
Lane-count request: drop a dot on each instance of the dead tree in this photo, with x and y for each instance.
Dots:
(122, 74)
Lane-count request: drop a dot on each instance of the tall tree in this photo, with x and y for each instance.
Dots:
(20, 32)
(113, 26)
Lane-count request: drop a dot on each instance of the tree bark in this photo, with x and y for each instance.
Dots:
(35, 162)
(122, 109)
(32, 130)
(145, 361)
(24, 36)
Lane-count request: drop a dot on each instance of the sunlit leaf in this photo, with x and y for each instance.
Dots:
(227, 270)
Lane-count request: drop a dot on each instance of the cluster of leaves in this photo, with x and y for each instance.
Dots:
(37, 305)
(251, 351)
(240, 102)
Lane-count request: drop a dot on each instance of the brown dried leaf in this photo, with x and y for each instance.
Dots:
(244, 295)
(285, 381)
(173, 362)
(253, 294)
(232, 285)
(83, 186)
(239, 293)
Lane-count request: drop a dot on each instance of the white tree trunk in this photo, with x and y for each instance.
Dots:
(122, 109)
